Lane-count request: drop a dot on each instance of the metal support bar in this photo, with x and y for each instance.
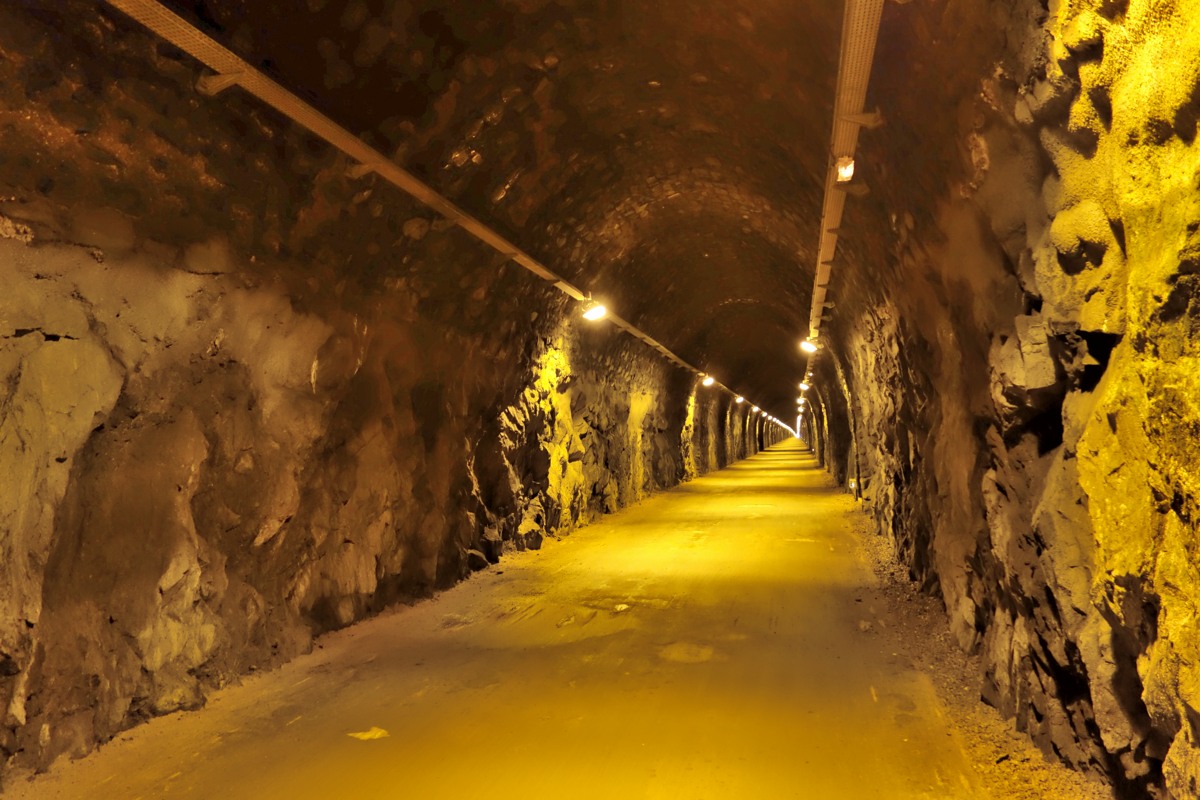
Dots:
(569, 290)
(231, 69)
(860, 30)
(360, 170)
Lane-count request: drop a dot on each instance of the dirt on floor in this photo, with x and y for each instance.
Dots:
(744, 636)
(1009, 765)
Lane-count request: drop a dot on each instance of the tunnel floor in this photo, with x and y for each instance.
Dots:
(727, 639)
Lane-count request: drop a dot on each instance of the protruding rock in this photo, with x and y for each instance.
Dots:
(476, 560)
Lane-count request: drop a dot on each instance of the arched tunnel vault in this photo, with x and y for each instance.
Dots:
(629, 146)
(251, 394)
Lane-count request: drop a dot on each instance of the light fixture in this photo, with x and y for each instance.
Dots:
(804, 387)
(739, 399)
(755, 409)
(808, 346)
(709, 380)
(801, 401)
(845, 169)
(593, 311)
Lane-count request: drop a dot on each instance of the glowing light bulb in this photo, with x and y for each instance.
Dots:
(804, 387)
(709, 380)
(755, 409)
(845, 169)
(808, 346)
(594, 312)
(739, 399)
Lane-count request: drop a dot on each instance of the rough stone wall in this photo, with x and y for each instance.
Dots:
(1022, 340)
(1119, 263)
(833, 409)
(246, 399)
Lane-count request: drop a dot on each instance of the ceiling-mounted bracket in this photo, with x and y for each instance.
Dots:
(356, 171)
(868, 119)
(853, 188)
(212, 85)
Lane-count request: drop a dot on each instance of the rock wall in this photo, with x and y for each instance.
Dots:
(247, 399)
(1020, 334)
(208, 473)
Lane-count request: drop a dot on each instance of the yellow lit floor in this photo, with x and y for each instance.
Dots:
(708, 643)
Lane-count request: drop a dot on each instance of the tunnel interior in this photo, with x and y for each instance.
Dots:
(255, 392)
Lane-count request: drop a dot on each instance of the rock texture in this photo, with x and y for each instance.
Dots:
(207, 474)
(1018, 361)
(247, 399)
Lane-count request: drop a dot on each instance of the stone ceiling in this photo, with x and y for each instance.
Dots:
(666, 156)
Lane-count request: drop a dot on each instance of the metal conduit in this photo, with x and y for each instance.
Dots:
(860, 30)
(230, 70)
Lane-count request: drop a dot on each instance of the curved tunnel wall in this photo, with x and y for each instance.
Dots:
(217, 467)
(1016, 326)
(243, 408)
(338, 401)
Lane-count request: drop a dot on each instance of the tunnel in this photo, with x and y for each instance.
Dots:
(600, 398)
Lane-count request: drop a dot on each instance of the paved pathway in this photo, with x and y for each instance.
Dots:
(704, 644)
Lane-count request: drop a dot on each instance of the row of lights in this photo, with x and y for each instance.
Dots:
(809, 346)
(709, 381)
(232, 71)
(594, 311)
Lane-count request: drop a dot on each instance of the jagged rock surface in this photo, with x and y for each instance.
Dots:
(1021, 405)
(273, 398)
(248, 399)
